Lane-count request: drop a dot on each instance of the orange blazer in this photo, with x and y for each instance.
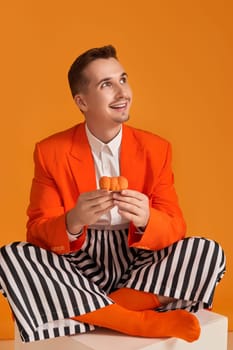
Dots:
(64, 168)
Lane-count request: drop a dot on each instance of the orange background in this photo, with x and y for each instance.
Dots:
(178, 55)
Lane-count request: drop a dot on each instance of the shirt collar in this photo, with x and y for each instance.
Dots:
(98, 146)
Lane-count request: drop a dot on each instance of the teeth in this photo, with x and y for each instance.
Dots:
(119, 106)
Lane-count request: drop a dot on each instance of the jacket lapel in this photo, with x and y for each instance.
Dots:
(132, 159)
(81, 161)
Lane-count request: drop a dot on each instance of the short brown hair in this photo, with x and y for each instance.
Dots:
(77, 80)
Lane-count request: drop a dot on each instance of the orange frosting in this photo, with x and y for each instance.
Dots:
(114, 183)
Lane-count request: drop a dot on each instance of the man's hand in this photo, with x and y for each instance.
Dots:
(89, 207)
(133, 206)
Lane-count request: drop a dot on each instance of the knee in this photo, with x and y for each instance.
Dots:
(221, 254)
(10, 249)
(212, 248)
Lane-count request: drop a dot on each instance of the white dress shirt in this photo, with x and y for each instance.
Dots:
(106, 160)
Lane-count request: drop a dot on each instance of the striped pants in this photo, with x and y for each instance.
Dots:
(45, 290)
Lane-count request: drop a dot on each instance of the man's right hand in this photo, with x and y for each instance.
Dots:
(89, 207)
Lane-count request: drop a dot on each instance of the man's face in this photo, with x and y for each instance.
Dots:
(107, 98)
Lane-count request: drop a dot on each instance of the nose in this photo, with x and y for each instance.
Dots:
(121, 91)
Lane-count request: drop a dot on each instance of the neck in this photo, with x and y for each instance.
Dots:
(104, 135)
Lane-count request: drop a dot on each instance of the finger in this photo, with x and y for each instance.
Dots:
(130, 194)
(104, 211)
(128, 216)
(133, 194)
(139, 219)
(102, 204)
(125, 202)
(129, 207)
(96, 194)
(97, 200)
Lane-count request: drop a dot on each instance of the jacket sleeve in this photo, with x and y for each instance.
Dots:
(166, 223)
(46, 226)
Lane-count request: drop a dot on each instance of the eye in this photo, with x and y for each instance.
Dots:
(123, 80)
(106, 84)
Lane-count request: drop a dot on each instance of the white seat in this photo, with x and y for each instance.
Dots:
(213, 337)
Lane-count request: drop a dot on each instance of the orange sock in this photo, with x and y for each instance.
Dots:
(149, 324)
(133, 299)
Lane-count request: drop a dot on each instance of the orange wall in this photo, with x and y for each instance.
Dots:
(179, 58)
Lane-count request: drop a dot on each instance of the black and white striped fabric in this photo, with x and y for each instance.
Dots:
(45, 290)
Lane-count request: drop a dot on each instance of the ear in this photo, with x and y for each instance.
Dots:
(80, 102)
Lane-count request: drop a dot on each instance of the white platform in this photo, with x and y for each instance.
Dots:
(213, 337)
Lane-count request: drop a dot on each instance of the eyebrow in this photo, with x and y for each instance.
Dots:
(124, 74)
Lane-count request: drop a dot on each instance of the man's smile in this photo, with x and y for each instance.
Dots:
(119, 105)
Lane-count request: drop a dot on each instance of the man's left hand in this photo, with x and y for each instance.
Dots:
(133, 206)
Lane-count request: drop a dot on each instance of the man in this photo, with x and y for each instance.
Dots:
(97, 257)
